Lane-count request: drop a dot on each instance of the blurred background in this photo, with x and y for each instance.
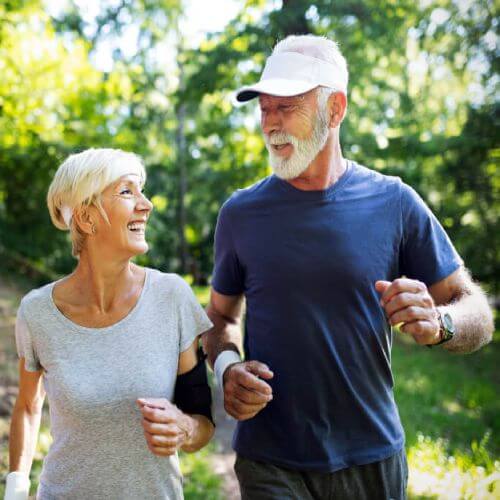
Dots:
(156, 77)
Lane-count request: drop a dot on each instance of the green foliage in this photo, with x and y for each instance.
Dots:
(436, 474)
(421, 105)
(200, 483)
(449, 410)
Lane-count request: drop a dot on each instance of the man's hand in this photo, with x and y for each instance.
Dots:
(410, 303)
(245, 394)
(166, 428)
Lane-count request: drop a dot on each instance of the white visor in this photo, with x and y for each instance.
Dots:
(291, 73)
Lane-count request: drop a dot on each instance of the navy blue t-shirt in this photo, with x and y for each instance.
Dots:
(307, 263)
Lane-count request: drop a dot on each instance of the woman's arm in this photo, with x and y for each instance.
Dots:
(203, 428)
(24, 427)
(166, 427)
(25, 421)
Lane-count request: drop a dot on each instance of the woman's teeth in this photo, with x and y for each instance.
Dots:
(138, 227)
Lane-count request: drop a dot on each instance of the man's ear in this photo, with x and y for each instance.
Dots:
(337, 106)
(84, 221)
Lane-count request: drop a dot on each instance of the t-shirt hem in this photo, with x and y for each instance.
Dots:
(444, 272)
(342, 463)
(225, 291)
(201, 329)
(30, 367)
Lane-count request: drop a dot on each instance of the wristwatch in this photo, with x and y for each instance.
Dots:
(446, 328)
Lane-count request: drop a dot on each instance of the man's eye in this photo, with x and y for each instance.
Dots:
(125, 191)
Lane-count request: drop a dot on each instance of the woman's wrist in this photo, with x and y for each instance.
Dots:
(17, 486)
(189, 426)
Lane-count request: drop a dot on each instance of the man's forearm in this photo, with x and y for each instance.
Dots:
(224, 336)
(472, 319)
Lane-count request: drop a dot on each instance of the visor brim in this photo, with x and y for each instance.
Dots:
(279, 87)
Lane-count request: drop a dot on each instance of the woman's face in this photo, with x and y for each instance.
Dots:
(128, 211)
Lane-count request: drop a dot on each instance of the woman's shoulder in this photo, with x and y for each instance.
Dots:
(170, 282)
(36, 299)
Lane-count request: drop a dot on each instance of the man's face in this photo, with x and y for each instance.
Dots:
(295, 131)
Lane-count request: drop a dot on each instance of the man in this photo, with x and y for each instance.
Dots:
(328, 255)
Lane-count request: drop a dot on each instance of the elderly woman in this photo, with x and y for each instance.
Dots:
(114, 344)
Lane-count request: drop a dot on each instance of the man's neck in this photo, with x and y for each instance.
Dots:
(324, 171)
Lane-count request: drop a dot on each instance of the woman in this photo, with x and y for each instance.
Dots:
(104, 340)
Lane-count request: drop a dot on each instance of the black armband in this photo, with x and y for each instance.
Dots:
(192, 393)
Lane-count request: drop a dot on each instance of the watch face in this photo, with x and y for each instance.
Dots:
(448, 323)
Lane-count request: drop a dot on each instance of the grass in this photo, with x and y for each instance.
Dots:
(450, 411)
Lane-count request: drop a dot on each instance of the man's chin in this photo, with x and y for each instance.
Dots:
(285, 170)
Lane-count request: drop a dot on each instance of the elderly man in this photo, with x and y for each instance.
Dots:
(328, 255)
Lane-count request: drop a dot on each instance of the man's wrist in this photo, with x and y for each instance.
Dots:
(446, 330)
(222, 363)
(17, 486)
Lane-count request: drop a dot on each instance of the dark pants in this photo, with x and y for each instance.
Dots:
(382, 480)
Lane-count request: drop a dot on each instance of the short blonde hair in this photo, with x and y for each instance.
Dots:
(80, 181)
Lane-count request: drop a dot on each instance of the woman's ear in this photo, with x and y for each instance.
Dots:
(84, 220)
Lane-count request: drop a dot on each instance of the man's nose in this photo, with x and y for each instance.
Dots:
(270, 122)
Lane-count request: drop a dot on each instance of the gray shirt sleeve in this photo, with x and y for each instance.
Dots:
(193, 320)
(24, 343)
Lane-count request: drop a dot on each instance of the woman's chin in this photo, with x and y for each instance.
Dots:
(139, 249)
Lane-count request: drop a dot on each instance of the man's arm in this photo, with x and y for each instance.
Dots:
(225, 312)
(245, 393)
(412, 303)
(468, 306)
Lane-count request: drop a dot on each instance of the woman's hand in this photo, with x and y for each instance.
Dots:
(166, 428)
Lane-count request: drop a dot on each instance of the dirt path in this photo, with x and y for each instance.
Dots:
(9, 299)
(223, 459)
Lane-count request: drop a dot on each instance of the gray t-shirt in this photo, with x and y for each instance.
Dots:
(93, 377)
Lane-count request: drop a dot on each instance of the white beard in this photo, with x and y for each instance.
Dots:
(304, 150)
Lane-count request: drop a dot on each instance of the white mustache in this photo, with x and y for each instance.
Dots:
(279, 138)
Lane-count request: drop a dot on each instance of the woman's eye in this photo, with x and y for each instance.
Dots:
(125, 191)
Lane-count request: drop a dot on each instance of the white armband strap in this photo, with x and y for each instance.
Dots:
(17, 486)
(224, 359)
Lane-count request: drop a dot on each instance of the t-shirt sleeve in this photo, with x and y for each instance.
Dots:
(193, 320)
(427, 254)
(228, 276)
(24, 343)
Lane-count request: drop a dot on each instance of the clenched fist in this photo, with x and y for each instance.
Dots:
(409, 302)
(166, 428)
(245, 393)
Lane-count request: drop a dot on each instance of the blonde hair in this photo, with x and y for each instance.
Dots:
(80, 181)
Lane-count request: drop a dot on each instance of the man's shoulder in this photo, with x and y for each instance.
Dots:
(375, 179)
(250, 194)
